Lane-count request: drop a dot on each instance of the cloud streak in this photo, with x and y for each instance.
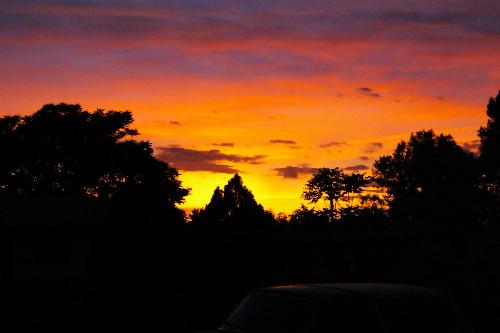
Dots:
(334, 144)
(368, 92)
(204, 160)
(358, 167)
(373, 147)
(223, 144)
(281, 141)
(294, 172)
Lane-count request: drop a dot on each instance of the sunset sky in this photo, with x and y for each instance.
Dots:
(269, 89)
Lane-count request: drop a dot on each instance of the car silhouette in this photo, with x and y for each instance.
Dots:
(344, 308)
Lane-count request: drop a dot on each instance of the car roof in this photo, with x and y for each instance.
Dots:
(371, 290)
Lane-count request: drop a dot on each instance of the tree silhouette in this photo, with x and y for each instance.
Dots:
(353, 184)
(233, 206)
(430, 176)
(325, 184)
(309, 217)
(237, 196)
(370, 212)
(213, 213)
(490, 143)
(64, 150)
(490, 160)
(334, 185)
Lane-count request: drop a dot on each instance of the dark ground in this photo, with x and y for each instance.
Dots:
(87, 269)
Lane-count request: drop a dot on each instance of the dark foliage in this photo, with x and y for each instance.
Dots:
(234, 206)
(430, 177)
(490, 141)
(334, 185)
(62, 150)
(309, 217)
(490, 161)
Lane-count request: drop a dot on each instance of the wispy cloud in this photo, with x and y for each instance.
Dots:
(295, 171)
(373, 147)
(204, 160)
(368, 92)
(223, 144)
(359, 167)
(281, 141)
(334, 144)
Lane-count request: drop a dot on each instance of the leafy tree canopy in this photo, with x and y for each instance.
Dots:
(429, 175)
(309, 217)
(65, 150)
(490, 141)
(333, 185)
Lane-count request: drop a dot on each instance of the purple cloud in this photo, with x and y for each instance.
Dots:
(368, 92)
(373, 147)
(334, 144)
(294, 171)
(223, 144)
(281, 141)
(203, 160)
(359, 167)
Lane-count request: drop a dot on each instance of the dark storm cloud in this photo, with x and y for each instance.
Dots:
(359, 167)
(204, 160)
(281, 141)
(373, 147)
(368, 92)
(294, 171)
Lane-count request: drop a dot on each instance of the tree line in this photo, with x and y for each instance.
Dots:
(429, 179)
(65, 151)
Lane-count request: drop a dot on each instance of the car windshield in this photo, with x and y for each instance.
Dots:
(271, 314)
